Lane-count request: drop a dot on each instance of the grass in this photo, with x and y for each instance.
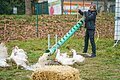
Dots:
(106, 66)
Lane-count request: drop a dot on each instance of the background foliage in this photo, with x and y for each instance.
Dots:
(6, 6)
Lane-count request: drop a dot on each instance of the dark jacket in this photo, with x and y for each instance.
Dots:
(90, 18)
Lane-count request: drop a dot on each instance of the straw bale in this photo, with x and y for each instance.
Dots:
(56, 73)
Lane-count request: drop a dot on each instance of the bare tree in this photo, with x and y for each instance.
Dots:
(28, 9)
(105, 5)
(62, 4)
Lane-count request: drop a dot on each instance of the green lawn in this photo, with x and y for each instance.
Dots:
(106, 66)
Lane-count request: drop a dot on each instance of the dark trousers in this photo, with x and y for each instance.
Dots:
(89, 35)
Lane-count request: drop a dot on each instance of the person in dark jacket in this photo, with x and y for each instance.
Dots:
(90, 19)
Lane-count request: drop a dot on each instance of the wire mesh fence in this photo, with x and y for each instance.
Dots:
(70, 6)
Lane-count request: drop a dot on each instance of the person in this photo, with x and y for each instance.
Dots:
(90, 19)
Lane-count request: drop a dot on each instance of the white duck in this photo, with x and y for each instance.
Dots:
(64, 60)
(42, 61)
(64, 55)
(3, 55)
(58, 56)
(19, 57)
(3, 63)
(77, 58)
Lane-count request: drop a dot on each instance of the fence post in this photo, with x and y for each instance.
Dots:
(37, 19)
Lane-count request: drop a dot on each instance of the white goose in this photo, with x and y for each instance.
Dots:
(19, 57)
(77, 58)
(64, 60)
(3, 55)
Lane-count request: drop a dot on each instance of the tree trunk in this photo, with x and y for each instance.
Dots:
(105, 5)
(28, 9)
(62, 4)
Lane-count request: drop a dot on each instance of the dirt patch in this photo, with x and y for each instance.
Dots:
(24, 27)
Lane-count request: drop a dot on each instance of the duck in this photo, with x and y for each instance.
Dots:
(77, 58)
(67, 61)
(58, 57)
(19, 57)
(64, 55)
(42, 61)
(3, 55)
(3, 63)
(64, 60)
